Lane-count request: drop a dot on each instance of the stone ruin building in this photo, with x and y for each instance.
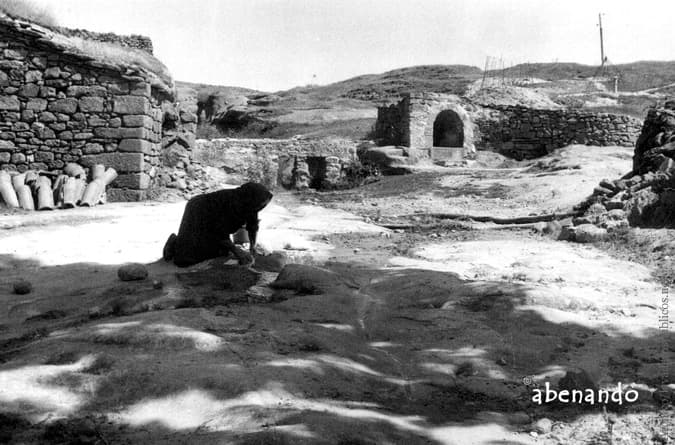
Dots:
(77, 96)
(448, 127)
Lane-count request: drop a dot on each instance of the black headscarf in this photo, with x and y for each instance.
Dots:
(251, 197)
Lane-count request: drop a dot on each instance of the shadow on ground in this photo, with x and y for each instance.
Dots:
(379, 356)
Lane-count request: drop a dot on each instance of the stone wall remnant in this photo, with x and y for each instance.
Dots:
(515, 131)
(289, 163)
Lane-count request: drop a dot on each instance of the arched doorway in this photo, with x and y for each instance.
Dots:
(448, 130)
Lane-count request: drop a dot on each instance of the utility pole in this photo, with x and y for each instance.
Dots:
(602, 46)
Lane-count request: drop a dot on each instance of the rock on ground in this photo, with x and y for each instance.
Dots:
(132, 272)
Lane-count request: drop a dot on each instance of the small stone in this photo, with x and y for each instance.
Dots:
(599, 190)
(543, 426)
(132, 272)
(616, 214)
(580, 220)
(552, 228)
(156, 284)
(519, 418)
(567, 233)
(595, 209)
(665, 394)
(22, 287)
(589, 233)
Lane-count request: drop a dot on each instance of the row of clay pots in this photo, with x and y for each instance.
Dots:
(32, 190)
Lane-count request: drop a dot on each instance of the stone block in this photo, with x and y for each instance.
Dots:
(18, 54)
(131, 105)
(33, 76)
(44, 156)
(80, 90)
(6, 145)
(29, 90)
(122, 162)
(92, 148)
(47, 116)
(28, 115)
(47, 92)
(96, 121)
(66, 106)
(126, 195)
(9, 103)
(137, 120)
(53, 72)
(132, 181)
(18, 158)
(5, 157)
(36, 104)
(140, 89)
(91, 104)
(108, 133)
(137, 146)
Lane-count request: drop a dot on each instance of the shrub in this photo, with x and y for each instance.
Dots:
(263, 169)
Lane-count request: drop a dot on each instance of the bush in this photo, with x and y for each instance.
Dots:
(357, 175)
(263, 169)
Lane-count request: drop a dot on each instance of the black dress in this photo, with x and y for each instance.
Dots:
(209, 219)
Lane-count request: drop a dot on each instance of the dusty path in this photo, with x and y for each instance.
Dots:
(416, 338)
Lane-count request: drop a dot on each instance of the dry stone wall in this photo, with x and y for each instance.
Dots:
(525, 133)
(131, 41)
(57, 106)
(515, 131)
(289, 163)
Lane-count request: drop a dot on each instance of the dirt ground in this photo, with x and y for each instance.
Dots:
(434, 335)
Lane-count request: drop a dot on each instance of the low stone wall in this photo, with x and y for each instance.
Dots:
(290, 163)
(525, 133)
(131, 41)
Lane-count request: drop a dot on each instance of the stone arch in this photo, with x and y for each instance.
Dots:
(448, 130)
(456, 111)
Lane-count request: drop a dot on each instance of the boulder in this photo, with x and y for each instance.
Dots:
(567, 233)
(306, 279)
(132, 272)
(589, 233)
(639, 206)
(543, 426)
(390, 159)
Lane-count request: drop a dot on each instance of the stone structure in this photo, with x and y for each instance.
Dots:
(443, 126)
(525, 133)
(289, 163)
(432, 123)
(646, 196)
(60, 104)
(134, 41)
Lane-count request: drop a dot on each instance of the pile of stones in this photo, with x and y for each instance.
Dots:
(645, 197)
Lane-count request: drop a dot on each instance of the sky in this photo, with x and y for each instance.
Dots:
(271, 45)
